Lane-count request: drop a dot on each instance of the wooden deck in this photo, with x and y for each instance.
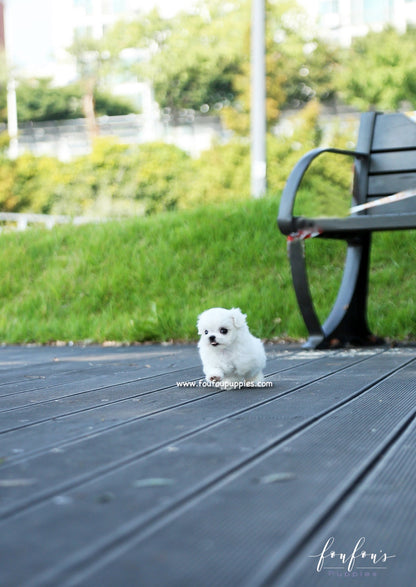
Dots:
(112, 474)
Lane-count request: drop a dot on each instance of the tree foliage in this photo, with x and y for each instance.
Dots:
(120, 180)
(113, 180)
(299, 67)
(379, 71)
(192, 59)
(201, 61)
(39, 100)
(93, 62)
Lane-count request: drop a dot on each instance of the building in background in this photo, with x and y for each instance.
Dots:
(342, 20)
(75, 19)
(53, 25)
(62, 21)
(2, 34)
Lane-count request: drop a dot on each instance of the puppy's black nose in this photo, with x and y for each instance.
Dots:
(212, 338)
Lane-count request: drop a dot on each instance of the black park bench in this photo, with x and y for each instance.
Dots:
(382, 199)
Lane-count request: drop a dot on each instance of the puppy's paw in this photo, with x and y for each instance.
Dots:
(214, 375)
(215, 378)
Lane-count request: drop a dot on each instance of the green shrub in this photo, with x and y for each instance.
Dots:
(39, 100)
(161, 174)
(113, 180)
(122, 180)
(221, 174)
(29, 183)
(326, 186)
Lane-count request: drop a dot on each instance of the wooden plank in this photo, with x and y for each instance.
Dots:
(340, 227)
(382, 185)
(35, 403)
(382, 511)
(59, 367)
(394, 131)
(28, 431)
(224, 536)
(66, 428)
(31, 430)
(114, 508)
(82, 386)
(396, 161)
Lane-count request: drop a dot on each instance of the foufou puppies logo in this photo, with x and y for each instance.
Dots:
(358, 558)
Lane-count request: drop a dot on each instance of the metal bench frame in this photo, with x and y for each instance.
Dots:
(384, 163)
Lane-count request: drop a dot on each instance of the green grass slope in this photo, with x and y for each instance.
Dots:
(147, 279)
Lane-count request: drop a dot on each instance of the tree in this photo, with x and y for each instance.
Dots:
(38, 100)
(379, 71)
(93, 61)
(201, 61)
(299, 67)
(192, 58)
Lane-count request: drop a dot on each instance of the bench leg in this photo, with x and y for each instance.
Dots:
(296, 253)
(347, 321)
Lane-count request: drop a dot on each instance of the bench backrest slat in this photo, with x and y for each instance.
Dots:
(390, 140)
(393, 161)
(384, 185)
(393, 131)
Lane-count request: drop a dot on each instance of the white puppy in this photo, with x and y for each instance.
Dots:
(230, 354)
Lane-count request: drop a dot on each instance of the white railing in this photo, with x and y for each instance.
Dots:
(48, 220)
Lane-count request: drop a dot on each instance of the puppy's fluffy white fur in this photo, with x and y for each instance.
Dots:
(229, 353)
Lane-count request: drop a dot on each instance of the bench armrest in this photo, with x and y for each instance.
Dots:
(285, 219)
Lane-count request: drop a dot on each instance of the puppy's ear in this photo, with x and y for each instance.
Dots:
(199, 325)
(238, 317)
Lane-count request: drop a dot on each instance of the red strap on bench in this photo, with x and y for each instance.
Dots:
(303, 234)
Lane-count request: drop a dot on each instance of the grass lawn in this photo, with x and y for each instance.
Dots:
(147, 279)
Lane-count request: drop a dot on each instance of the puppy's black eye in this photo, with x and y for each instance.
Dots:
(206, 331)
(223, 330)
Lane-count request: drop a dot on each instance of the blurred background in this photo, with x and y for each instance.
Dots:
(90, 87)
(157, 115)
